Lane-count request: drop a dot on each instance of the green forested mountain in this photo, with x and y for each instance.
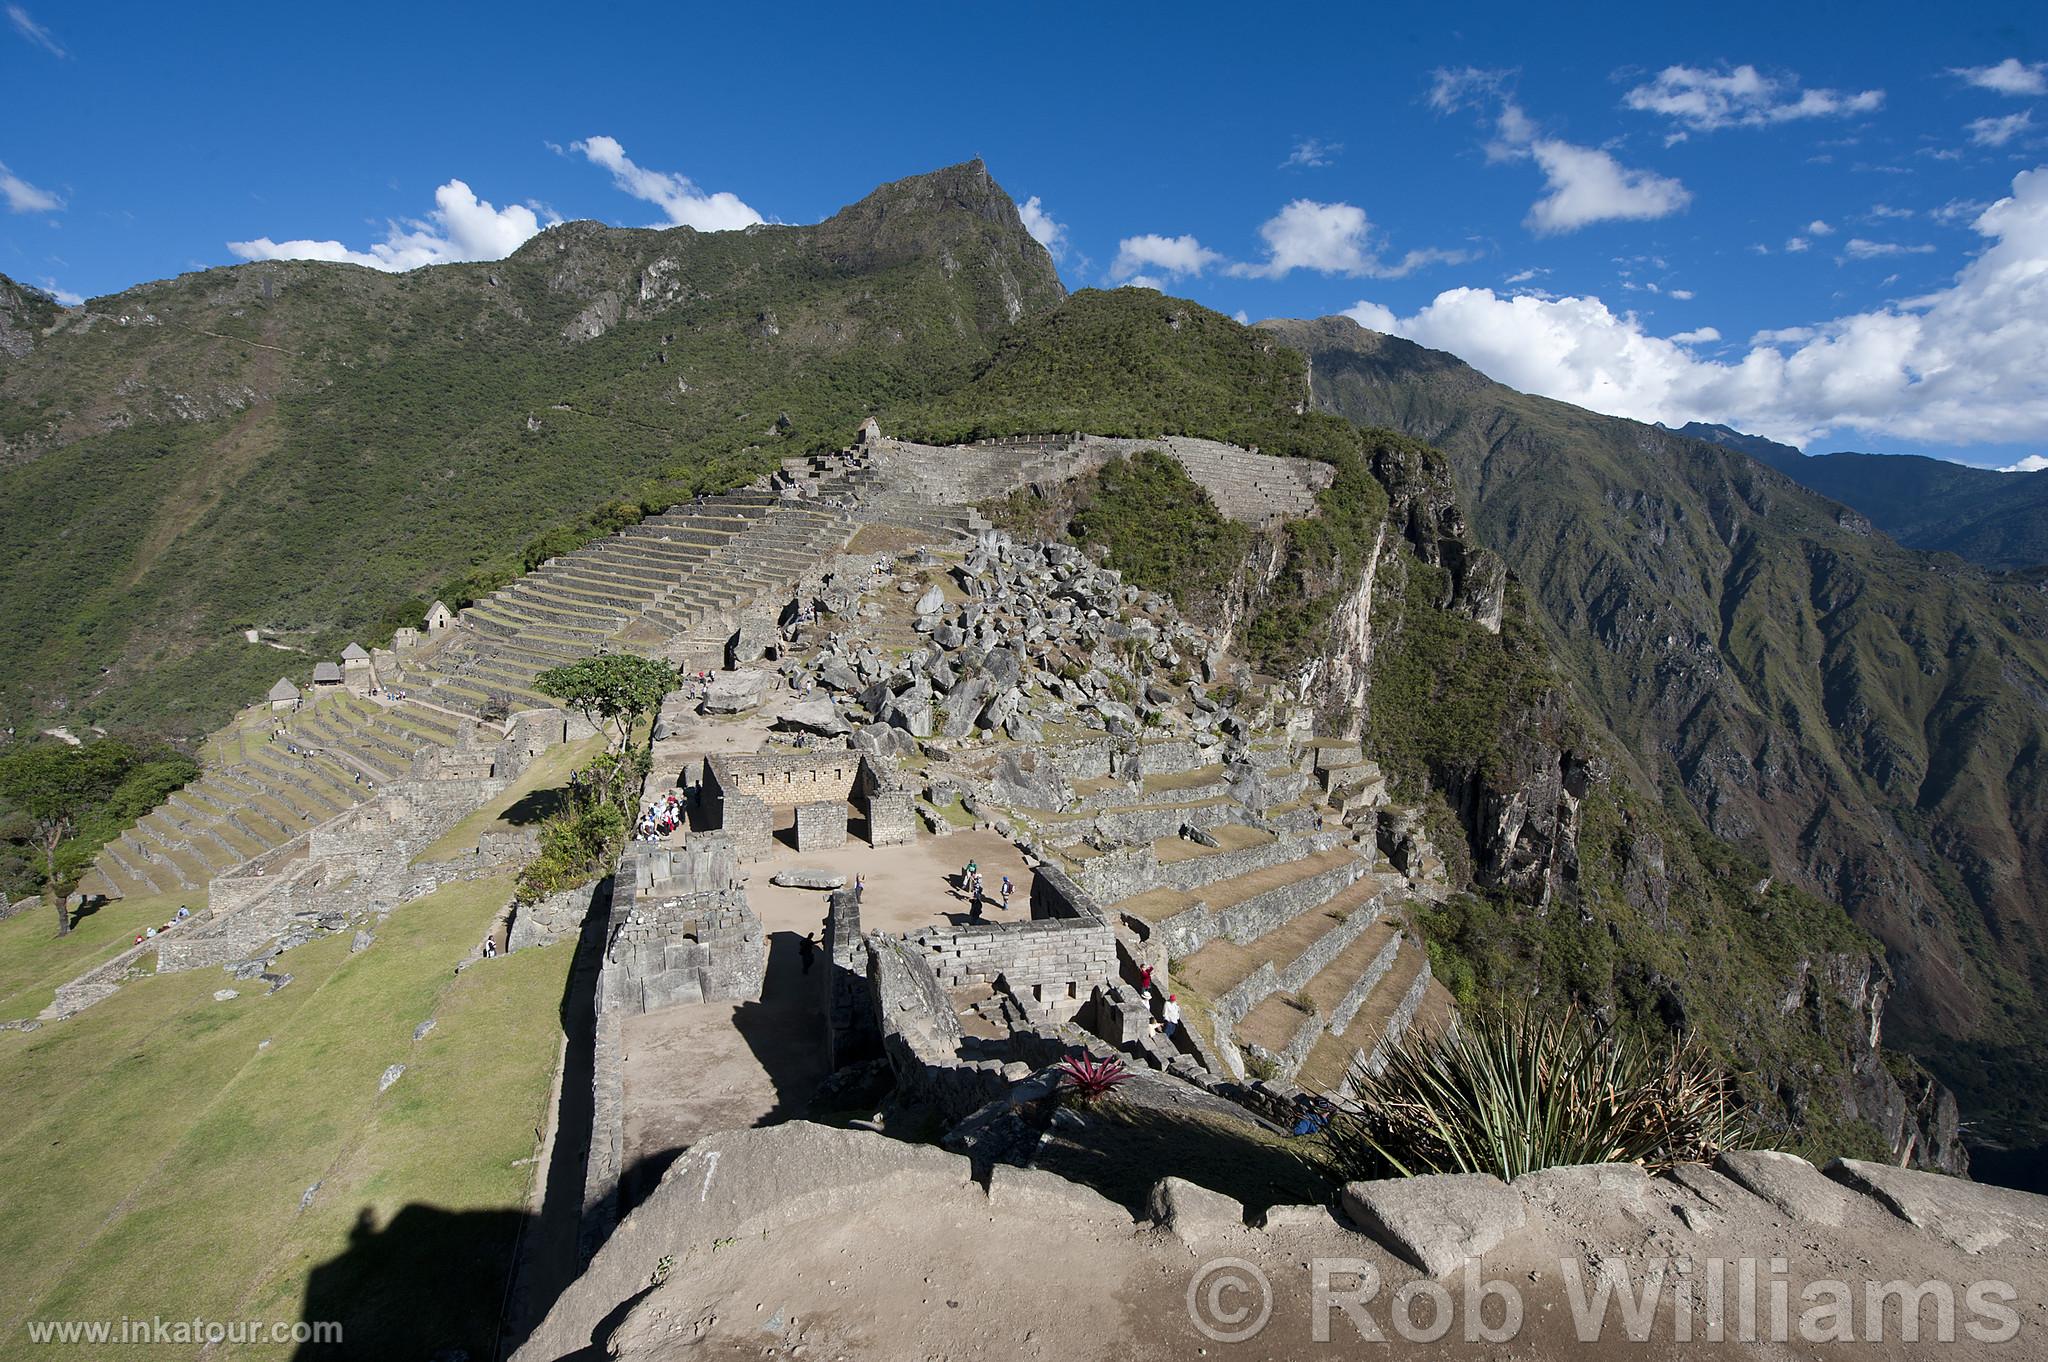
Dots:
(1996, 520)
(1868, 720)
(1701, 667)
(315, 448)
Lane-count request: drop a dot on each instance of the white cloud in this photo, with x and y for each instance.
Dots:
(1332, 238)
(1586, 184)
(1242, 317)
(1859, 249)
(1705, 100)
(460, 227)
(1996, 132)
(2033, 463)
(1175, 256)
(1702, 336)
(677, 196)
(1683, 295)
(1818, 227)
(1144, 281)
(1310, 153)
(60, 293)
(2009, 77)
(28, 28)
(1958, 210)
(23, 197)
(1797, 243)
(1882, 212)
(1523, 276)
(1967, 363)
(1046, 232)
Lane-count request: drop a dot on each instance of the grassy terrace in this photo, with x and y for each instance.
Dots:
(160, 1143)
(34, 960)
(529, 799)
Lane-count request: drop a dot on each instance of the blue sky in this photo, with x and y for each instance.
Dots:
(1827, 223)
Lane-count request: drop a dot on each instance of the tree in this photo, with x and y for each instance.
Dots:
(614, 691)
(54, 785)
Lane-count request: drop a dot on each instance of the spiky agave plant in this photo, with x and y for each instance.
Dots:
(1508, 1093)
(1089, 1078)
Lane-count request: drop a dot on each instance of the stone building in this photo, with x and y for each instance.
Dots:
(820, 788)
(326, 676)
(439, 617)
(357, 672)
(283, 696)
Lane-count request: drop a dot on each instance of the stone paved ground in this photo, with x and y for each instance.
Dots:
(698, 1068)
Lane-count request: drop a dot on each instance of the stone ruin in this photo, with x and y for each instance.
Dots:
(742, 794)
(680, 930)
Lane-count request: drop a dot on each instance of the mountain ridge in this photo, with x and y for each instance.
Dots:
(1865, 718)
(1994, 519)
(317, 449)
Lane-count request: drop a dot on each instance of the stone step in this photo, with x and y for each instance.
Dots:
(236, 834)
(1378, 1024)
(564, 596)
(124, 878)
(305, 782)
(1236, 977)
(1246, 907)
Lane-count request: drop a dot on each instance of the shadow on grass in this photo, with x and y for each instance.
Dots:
(435, 1282)
(535, 807)
(429, 1282)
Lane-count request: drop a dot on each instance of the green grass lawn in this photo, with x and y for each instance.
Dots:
(158, 1146)
(34, 960)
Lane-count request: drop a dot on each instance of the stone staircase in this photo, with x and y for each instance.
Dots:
(265, 779)
(1287, 936)
(678, 575)
(672, 576)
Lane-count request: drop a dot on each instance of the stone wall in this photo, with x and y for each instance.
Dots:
(848, 1006)
(1051, 964)
(556, 917)
(1187, 932)
(784, 780)
(743, 791)
(921, 1036)
(821, 826)
(681, 931)
(891, 804)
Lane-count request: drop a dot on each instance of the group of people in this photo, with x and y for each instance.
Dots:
(1167, 1007)
(662, 817)
(977, 893)
(176, 918)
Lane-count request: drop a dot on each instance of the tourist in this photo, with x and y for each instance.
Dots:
(490, 947)
(860, 884)
(1170, 1014)
(1144, 981)
(1006, 893)
(807, 949)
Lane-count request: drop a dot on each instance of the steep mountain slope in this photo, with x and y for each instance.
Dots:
(1868, 720)
(312, 448)
(1996, 520)
(1580, 890)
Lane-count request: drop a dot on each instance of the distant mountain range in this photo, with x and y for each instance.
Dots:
(1868, 719)
(1996, 520)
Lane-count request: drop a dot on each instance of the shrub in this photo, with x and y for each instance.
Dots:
(1090, 1078)
(1510, 1092)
